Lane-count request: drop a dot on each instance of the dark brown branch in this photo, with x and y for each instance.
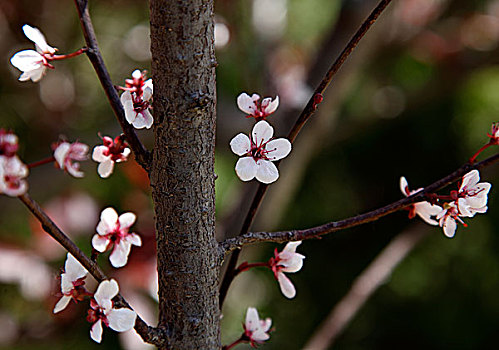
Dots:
(307, 112)
(142, 155)
(151, 335)
(315, 232)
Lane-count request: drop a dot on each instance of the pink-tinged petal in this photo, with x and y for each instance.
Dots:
(266, 172)
(470, 180)
(449, 226)
(100, 243)
(270, 107)
(96, 331)
(61, 304)
(66, 283)
(426, 210)
(240, 144)
(73, 269)
(265, 324)
(252, 322)
(259, 335)
(127, 102)
(404, 186)
(246, 168)
(147, 94)
(290, 247)
(105, 169)
(134, 239)
(37, 74)
(106, 291)
(121, 320)
(262, 132)
(119, 255)
(143, 120)
(36, 36)
(109, 218)
(287, 288)
(74, 171)
(278, 149)
(127, 219)
(27, 60)
(100, 154)
(247, 103)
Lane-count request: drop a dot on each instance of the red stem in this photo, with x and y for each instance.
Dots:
(472, 159)
(69, 55)
(230, 346)
(41, 162)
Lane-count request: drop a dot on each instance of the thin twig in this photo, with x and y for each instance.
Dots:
(149, 334)
(142, 155)
(364, 286)
(315, 232)
(307, 112)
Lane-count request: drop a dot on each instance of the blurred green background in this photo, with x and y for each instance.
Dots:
(416, 98)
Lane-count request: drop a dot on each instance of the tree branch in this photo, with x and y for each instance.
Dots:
(149, 334)
(307, 112)
(315, 232)
(363, 287)
(142, 155)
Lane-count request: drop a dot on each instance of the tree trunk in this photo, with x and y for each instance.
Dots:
(182, 173)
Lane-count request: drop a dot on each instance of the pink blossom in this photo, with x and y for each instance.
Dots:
(8, 143)
(32, 63)
(102, 311)
(113, 231)
(109, 153)
(287, 261)
(258, 153)
(494, 134)
(65, 153)
(72, 283)
(256, 331)
(136, 100)
(424, 210)
(12, 174)
(473, 195)
(254, 109)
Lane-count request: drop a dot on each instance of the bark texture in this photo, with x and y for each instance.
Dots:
(182, 172)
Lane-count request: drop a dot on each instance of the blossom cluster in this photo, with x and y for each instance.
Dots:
(12, 170)
(470, 199)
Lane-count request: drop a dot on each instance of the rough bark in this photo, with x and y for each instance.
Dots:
(182, 172)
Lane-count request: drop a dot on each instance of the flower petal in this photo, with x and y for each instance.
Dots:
(270, 107)
(96, 331)
(143, 119)
(108, 221)
(240, 144)
(449, 226)
(119, 255)
(106, 291)
(105, 169)
(470, 180)
(100, 243)
(127, 219)
(278, 149)
(73, 269)
(127, 102)
(121, 320)
(61, 304)
(266, 171)
(246, 168)
(287, 287)
(134, 239)
(36, 36)
(262, 132)
(27, 60)
(252, 322)
(404, 186)
(247, 103)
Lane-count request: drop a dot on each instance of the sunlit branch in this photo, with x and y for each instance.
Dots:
(307, 112)
(315, 232)
(142, 155)
(151, 335)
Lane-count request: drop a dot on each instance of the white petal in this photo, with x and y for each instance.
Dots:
(247, 103)
(246, 168)
(278, 149)
(105, 169)
(96, 331)
(106, 291)
(119, 255)
(252, 322)
(143, 120)
(240, 144)
(148, 85)
(73, 269)
(404, 186)
(121, 320)
(127, 102)
(134, 239)
(270, 108)
(100, 243)
(470, 179)
(61, 304)
(147, 94)
(449, 226)
(127, 219)
(291, 247)
(108, 219)
(426, 210)
(26, 60)
(98, 154)
(136, 74)
(287, 288)
(262, 132)
(36, 74)
(36, 36)
(60, 153)
(259, 335)
(266, 171)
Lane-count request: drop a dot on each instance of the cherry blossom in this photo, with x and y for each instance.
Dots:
(8, 143)
(255, 330)
(72, 283)
(136, 100)
(32, 63)
(494, 134)
(12, 174)
(473, 195)
(424, 210)
(251, 105)
(102, 311)
(448, 218)
(287, 261)
(65, 153)
(109, 153)
(113, 231)
(258, 153)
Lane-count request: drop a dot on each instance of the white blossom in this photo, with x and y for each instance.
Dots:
(256, 330)
(72, 282)
(287, 261)
(251, 105)
(424, 210)
(473, 195)
(12, 174)
(109, 153)
(65, 153)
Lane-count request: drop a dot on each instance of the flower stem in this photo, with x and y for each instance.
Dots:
(230, 346)
(245, 266)
(69, 55)
(472, 159)
(41, 162)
